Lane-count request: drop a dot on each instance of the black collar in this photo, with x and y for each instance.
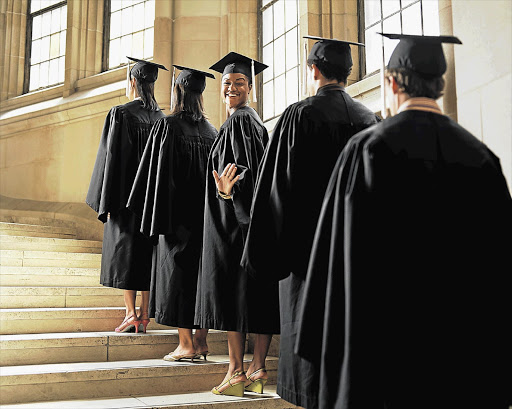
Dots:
(329, 88)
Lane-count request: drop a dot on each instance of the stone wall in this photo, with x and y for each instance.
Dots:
(483, 67)
(49, 138)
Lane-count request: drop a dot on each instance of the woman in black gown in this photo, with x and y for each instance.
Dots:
(228, 298)
(168, 194)
(126, 254)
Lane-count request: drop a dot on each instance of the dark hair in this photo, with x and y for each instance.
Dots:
(188, 104)
(330, 71)
(146, 91)
(415, 85)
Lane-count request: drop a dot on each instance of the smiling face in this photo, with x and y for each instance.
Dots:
(235, 90)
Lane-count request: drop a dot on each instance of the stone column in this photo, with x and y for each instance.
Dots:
(344, 26)
(449, 99)
(162, 51)
(14, 22)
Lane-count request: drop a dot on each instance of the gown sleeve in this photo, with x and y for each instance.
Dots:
(247, 148)
(101, 196)
(153, 190)
(340, 232)
(266, 239)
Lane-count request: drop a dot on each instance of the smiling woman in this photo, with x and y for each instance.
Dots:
(228, 298)
(235, 91)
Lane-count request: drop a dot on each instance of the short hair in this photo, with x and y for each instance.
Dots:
(188, 104)
(331, 71)
(146, 91)
(416, 85)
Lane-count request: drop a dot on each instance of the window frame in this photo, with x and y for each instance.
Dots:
(106, 35)
(299, 67)
(105, 53)
(362, 31)
(28, 43)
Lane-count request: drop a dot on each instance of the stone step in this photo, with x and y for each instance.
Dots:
(49, 244)
(15, 276)
(44, 320)
(40, 221)
(32, 230)
(36, 383)
(61, 297)
(49, 259)
(37, 349)
(198, 400)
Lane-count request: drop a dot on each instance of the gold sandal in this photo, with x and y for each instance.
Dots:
(234, 389)
(258, 384)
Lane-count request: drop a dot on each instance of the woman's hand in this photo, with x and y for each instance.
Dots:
(227, 179)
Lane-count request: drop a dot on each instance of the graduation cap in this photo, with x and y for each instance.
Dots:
(145, 70)
(332, 51)
(238, 63)
(421, 54)
(192, 79)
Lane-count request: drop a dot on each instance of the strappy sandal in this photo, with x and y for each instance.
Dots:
(256, 385)
(234, 389)
(128, 323)
(171, 357)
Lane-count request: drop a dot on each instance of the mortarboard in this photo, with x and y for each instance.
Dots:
(192, 79)
(238, 63)
(421, 54)
(332, 51)
(145, 70)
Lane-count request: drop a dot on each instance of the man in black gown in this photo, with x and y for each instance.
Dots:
(293, 176)
(410, 254)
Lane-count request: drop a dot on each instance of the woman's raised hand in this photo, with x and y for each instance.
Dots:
(227, 179)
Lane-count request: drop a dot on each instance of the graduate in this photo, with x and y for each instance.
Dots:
(412, 257)
(168, 195)
(294, 173)
(126, 253)
(228, 298)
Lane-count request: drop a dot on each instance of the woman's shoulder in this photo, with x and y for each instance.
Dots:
(244, 114)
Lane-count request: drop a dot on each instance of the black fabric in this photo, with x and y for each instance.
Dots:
(168, 195)
(228, 298)
(145, 70)
(125, 251)
(303, 150)
(421, 54)
(407, 297)
(238, 63)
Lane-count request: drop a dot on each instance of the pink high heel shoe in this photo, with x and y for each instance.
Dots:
(128, 323)
(145, 323)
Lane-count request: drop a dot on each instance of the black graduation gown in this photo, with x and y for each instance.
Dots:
(294, 173)
(407, 297)
(168, 194)
(229, 299)
(126, 253)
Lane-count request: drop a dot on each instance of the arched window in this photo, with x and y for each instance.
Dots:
(280, 43)
(46, 50)
(393, 16)
(129, 31)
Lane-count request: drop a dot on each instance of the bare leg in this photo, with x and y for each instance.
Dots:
(130, 318)
(144, 305)
(261, 345)
(186, 345)
(236, 345)
(129, 302)
(200, 341)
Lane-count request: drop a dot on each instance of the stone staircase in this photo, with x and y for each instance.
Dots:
(57, 344)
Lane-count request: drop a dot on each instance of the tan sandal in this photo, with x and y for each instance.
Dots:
(256, 385)
(234, 389)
